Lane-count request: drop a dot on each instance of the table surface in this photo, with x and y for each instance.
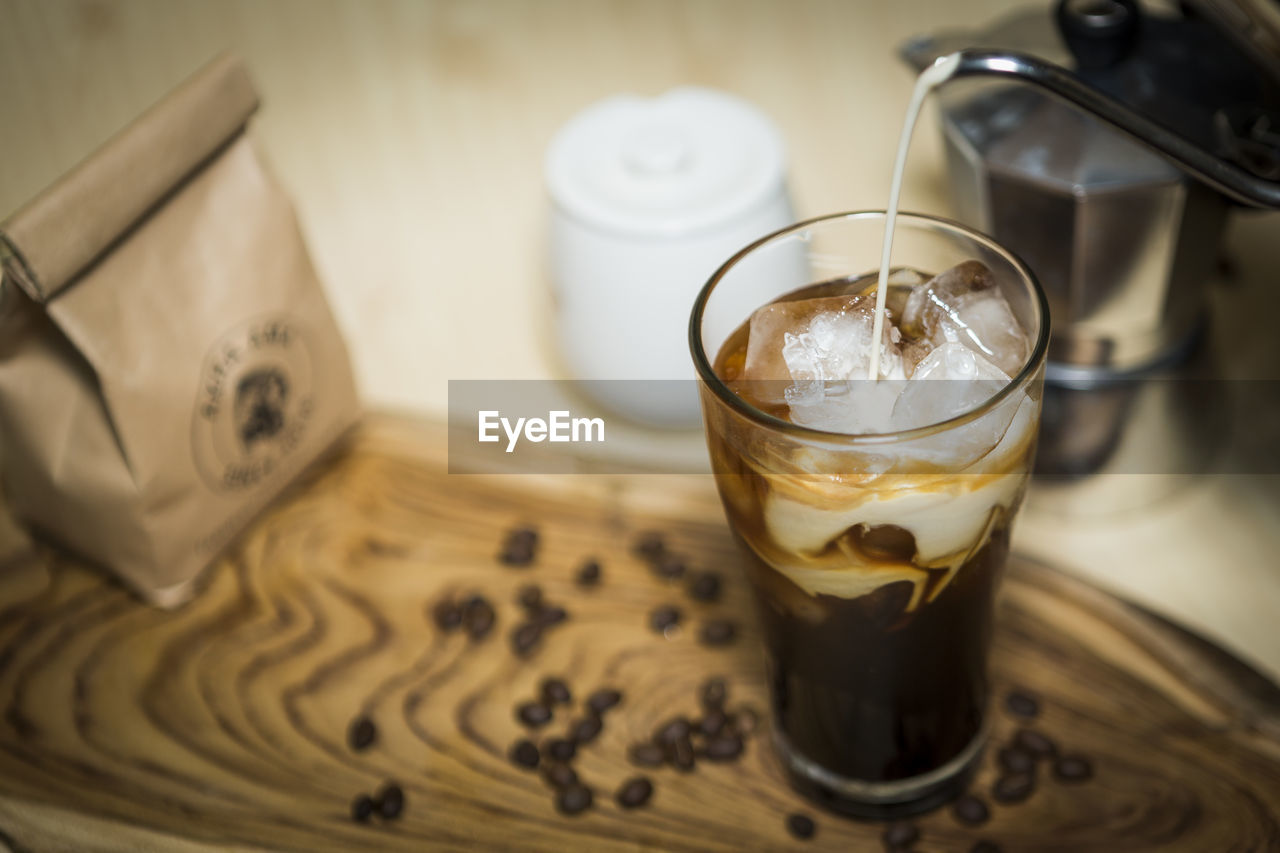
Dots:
(411, 135)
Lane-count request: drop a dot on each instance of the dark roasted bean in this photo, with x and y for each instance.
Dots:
(560, 749)
(650, 545)
(669, 566)
(635, 792)
(525, 637)
(555, 691)
(361, 733)
(971, 810)
(1022, 704)
(705, 586)
(1035, 743)
(1072, 768)
(647, 755)
(447, 615)
(1016, 760)
(1014, 787)
(663, 617)
(519, 547)
(723, 748)
(530, 596)
(559, 775)
(673, 730)
(390, 801)
(589, 573)
(550, 615)
(801, 826)
(745, 720)
(533, 714)
(900, 834)
(712, 723)
(362, 808)
(586, 729)
(713, 693)
(525, 754)
(680, 754)
(604, 699)
(478, 617)
(574, 799)
(717, 632)
(985, 846)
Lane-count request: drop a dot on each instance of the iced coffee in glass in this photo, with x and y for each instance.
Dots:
(873, 514)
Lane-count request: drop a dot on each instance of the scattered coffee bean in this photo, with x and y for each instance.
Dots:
(745, 720)
(525, 637)
(985, 846)
(362, 808)
(1035, 743)
(713, 693)
(635, 792)
(447, 615)
(1016, 760)
(530, 596)
(718, 632)
(705, 586)
(603, 699)
(478, 617)
(560, 749)
(555, 691)
(560, 775)
(1022, 704)
(534, 714)
(669, 566)
(647, 755)
(673, 730)
(663, 617)
(361, 733)
(525, 754)
(712, 723)
(971, 810)
(390, 800)
(650, 545)
(723, 748)
(1072, 768)
(519, 547)
(681, 755)
(801, 826)
(550, 615)
(586, 729)
(574, 799)
(1014, 787)
(589, 573)
(900, 834)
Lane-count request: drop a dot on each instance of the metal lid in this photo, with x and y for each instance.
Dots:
(687, 160)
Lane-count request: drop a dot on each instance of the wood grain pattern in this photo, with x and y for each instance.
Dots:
(224, 725)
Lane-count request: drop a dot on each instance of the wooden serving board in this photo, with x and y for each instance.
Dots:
(223, 725)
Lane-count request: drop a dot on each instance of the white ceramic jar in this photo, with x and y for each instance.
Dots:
(649, 196)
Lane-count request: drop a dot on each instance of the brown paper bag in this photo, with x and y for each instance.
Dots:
(168, 362)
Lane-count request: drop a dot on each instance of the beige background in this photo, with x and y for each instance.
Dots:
(411, 135)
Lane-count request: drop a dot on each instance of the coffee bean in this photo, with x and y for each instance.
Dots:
(586, 729)
(1072, 768)
(1035, 743)
(680, 754)
(519, 548)
(560, 775)
(985, 846)
(525, 637)
(900, 834)
(970, 810)
(705, 586)
(745, 720)
(603, 699)
(1022, 704)
(1013, 787)
(635, 792)
(530, 596)
(555, 691)
(390, 801)
(362, 808)
(589, 573)
(663, 617)
(669, 566)
(525, 754)
(447, 615)
(1016, 760)
(560, 749)
(574, 799)
(478, 617)
(723, 748)
(717, 632)
(713, 693)
(673, 730)
(712, 723)
(361, 733)
(650, 545)
(647, 755)
(550, 615)
(801, 826)
(534, 714)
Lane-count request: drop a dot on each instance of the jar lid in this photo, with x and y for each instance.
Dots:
(686, 160)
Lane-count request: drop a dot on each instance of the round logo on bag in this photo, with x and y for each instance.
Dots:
(254, 404)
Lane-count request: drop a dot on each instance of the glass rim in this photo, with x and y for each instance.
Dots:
(1033, 363)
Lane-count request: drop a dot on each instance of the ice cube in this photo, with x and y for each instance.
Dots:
(949, 381)
(964, 305)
